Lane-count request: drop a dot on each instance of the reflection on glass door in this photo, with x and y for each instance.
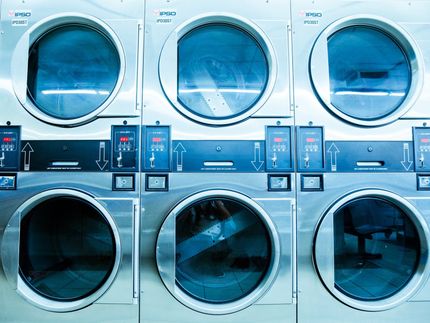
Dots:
(377, 249)
(222, 71)
(223, 250)
(67, 249)
(72, 71)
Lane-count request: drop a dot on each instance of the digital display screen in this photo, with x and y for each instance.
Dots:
(278, 139)
(123, 139)
(310, 140)
(7, 139)
(425, 140)
(156, 139)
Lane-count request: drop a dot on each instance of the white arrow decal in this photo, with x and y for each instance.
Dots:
(406, 162)
(27, 150)
(102, 162)
(179, 150)
(333, 150)
(257, 162)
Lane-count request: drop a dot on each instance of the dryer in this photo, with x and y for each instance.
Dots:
(361, 71)
(363, 233)
(68, 244)
(70, 70)
(218, 236)
(217, 70)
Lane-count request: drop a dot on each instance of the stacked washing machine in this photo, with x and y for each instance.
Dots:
(361, 94)
(69, 135)
(217, 239)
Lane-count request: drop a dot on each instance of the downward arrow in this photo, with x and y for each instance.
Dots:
(406, 162)
(102, 162)
(257, 162)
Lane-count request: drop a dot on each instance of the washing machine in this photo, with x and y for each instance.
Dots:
(69, 237)
(217, 70)
(359, 70)
(70, 70)
(363, 231)
(217, 238)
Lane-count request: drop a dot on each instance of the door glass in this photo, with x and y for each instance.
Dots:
(370, 75)
(223, 250)
(222, 71)
(72, 70)
(377, 249)
(67, 249)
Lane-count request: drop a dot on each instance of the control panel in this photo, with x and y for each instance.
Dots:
(422, 148)
(278, 149)
(9, 148)
(156, 151)
(125, 143)
(310, 149)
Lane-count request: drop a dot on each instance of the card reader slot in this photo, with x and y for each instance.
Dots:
(370, 163)
(218, 163)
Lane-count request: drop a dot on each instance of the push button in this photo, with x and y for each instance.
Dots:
(423, 182)
(7, 181)
(123, 182)
(279, 183)
(312, 183)
(157, 183)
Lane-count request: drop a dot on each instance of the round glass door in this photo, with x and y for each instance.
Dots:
(375, 246)
(370, 74)
(218, 252)
(366, 70)
(222, 71)
(67, 249)
(72, 71)
(377, 249)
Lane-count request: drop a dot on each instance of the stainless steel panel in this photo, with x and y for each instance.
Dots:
(122, 306)
(315, 301)
(310, 18)
(162, 21)
(121, 18)
(157, 304)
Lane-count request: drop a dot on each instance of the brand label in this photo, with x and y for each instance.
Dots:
(311, 17)
(164, 16)
(19, 13)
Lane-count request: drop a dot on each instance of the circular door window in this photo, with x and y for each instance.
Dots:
(224, 254)
(372, 73)
(72, 71)
(68, 252)
(377, 248)
(222, 71)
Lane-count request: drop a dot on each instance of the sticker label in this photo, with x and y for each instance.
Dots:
(19, 22)
(311, 17)
(19, 18)
(164, 16)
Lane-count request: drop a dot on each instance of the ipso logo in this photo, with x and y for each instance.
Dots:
(165, 13)
(19, 13)
(311, 14)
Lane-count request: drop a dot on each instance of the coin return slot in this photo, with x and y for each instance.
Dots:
(65, 163)
(370, 163)
(218, 163)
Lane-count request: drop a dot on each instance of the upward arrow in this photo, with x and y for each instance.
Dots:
(27, 150)
(333, 150)
(179, 150)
